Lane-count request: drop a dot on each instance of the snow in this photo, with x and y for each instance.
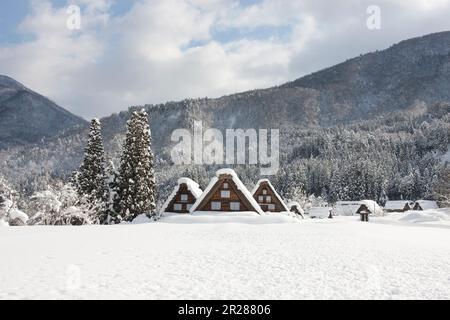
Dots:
(427, 215)
(142, 218)
(397, 204)
(255, 188)
(205, 192)
(349, 208)
(248, 217)
(238, 183)
(319, 212)
(346, 208)
(427, 204)
(193, 187)
(373, 207)
(175, 258)
(17, 214)
(296, 204)
(169, 199)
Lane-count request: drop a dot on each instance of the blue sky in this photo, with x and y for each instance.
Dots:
(13, 13)
(152, 51)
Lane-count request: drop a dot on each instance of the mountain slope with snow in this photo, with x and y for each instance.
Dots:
(28, 117)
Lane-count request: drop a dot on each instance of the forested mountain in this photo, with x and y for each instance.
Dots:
(412, 71)
(27, 117)
(371, 127)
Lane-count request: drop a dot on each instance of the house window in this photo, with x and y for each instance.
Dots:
(225, 185)
(235, 206)
(184, 197)
(225, 193)
(188, 207)
(177, 207)
(216, 205)
(268, 199)
(264, 191)
(271, 207)
(261, 198)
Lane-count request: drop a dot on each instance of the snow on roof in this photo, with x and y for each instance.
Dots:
(193, 187)
(255, 188)
(346, 208)
(296, 204)
(319, 212)
(427, 204)
(238, 183)
(205, 192)
(397, 204)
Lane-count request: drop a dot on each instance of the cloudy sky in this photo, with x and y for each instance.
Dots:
(151, 51)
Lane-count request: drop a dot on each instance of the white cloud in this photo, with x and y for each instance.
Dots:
(169, 49)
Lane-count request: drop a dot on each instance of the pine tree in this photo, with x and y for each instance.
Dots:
(113, 209)
(383, 198)
(442, 187)
(91, 179)
(136, 185)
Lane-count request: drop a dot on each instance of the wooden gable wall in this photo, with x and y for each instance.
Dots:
(185, 205)
(263, 201)
(215, 196)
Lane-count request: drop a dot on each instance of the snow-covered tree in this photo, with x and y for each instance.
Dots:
(442, 187)
(136, 185)
(4, 200)
(9, 213)
(62, 206)
(383, 198)
(114, 216)
(314, 201)
(297, 194)
(91, 179)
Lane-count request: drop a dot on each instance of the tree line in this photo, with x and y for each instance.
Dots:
(97, 193)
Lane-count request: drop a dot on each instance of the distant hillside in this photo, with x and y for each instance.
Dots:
(27, 117)
(394, 79)
(406, 76)
(386, 112)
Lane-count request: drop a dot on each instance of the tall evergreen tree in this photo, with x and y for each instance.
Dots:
(113, 209)
(442, 187)
(91, 179)
(136, 185)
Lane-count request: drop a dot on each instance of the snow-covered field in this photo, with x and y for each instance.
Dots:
(246, 257)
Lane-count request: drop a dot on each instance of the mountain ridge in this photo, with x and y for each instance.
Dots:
(387, 110)
(27, 117)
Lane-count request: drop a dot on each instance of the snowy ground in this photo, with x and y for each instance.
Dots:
(229, 258)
